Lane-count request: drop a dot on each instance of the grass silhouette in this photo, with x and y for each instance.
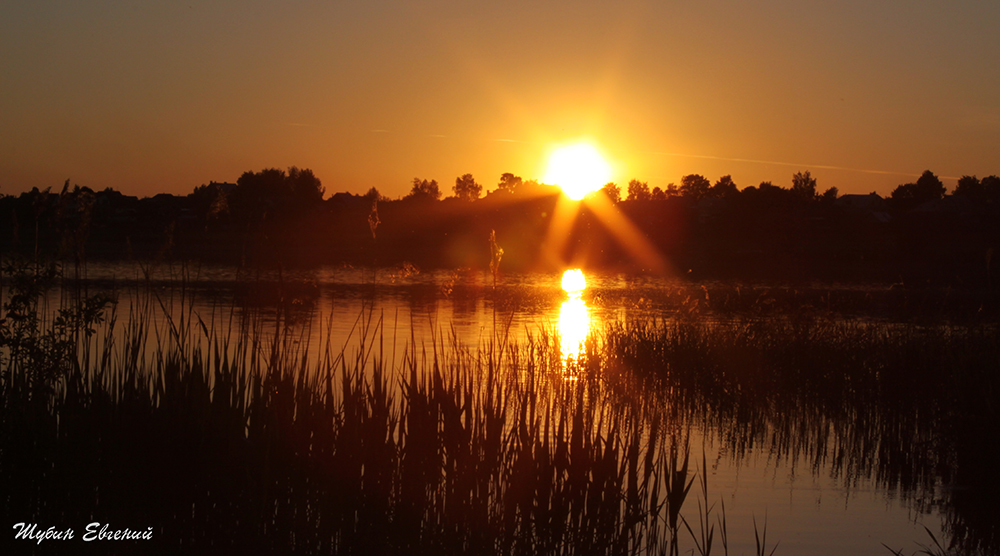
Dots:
(236, 431)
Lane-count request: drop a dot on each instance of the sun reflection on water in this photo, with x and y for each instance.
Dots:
(574, 321)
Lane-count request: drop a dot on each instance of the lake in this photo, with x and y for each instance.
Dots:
(820, 476)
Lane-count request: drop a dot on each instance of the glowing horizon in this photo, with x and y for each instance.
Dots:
(370, 95)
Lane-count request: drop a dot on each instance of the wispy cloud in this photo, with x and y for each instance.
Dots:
(295, 124)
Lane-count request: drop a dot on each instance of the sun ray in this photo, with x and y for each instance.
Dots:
(580, 171)
(628, 235)
(563, 217)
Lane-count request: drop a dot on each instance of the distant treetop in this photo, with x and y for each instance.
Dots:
(425, 190)
(927, 188)
(466, 188)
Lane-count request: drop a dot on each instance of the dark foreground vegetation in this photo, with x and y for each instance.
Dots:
(234, 439)
(920, 234)
(235, 433)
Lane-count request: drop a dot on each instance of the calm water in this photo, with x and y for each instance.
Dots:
(809, 508)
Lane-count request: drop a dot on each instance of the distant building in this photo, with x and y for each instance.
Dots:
(870, 202)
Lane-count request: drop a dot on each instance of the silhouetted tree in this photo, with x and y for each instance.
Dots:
(613, 192)
(509, 182)
(766, 191)
(971, 187)
(804, 186)
(671, 190)
(466, 188)
(658, 194)
(271, 193)
(991, 188)
(373, 195)
(425, 190)
(209, 201)
(304, 187)
(534, 188)
(830, 195)
(929, 185)
(927, 188)
(695, 187)
(638, 191)
(724, 188)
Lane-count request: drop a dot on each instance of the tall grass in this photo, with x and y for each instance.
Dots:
(229, 432)
(912, 406)
(237, 430)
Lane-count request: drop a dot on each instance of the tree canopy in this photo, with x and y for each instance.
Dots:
(509, 183)
(466, 188)
(613, 192)
(804, 186)
(425, 190)
(695, 186)
(638, 191)
(272, 193)
(927, 188)
(725, 187)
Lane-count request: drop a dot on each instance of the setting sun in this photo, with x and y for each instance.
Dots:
(578, 169)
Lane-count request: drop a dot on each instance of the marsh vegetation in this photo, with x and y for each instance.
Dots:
(253, 428)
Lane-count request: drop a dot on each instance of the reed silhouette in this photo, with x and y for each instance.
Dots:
(233, 431)
(231, 436)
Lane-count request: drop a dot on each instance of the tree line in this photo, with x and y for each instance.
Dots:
(695, 187)
(716, 229)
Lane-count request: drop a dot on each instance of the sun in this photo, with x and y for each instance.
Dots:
(578, 169)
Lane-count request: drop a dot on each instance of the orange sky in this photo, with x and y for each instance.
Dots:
(151, 97)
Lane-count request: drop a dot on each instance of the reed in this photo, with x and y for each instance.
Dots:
(911, 405)
(706, 529)
(228, 430)
(234, 430)
(760, 539)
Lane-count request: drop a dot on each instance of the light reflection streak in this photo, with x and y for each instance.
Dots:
(574, 323)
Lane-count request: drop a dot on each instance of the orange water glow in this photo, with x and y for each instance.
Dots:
(574, 322)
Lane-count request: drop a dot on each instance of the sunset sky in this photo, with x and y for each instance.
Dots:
(157, 96)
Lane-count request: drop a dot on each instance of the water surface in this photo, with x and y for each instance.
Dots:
(811, 504)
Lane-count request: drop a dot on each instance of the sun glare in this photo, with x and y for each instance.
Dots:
(578, 169)
(574, 282)
(574, 320)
